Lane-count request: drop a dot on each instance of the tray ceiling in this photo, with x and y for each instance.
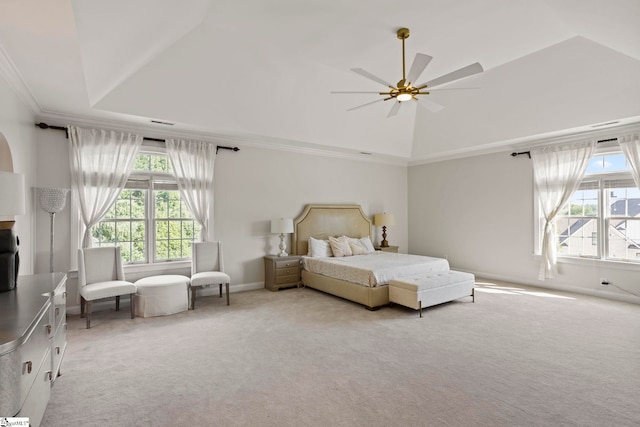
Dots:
(263, 71)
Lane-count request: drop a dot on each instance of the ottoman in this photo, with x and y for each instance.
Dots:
(425, 290)
(162, 295)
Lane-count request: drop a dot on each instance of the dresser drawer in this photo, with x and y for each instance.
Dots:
(36, 402)
(59, 306)
(33, 353)
(59, 345)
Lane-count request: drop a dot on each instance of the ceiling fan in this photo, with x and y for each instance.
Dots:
(405, 90)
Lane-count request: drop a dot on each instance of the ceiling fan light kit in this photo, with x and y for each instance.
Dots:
(405, 90)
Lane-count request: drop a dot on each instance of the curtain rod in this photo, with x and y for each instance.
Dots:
(46, 126)
(528, 153)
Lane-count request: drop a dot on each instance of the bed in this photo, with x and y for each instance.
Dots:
(361, 278)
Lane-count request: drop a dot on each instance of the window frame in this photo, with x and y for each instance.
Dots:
(607, 147)
(153, 182)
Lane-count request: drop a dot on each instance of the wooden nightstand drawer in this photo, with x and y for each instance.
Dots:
(287, 263)
(292, 279)
(287, 271)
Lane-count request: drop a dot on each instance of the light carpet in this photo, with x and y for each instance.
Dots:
(518, 356)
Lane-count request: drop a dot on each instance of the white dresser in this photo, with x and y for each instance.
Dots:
(32, 343)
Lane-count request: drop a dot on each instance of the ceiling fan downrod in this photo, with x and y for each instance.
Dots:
(403, 34)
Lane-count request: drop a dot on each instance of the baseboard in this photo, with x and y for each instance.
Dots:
(560, 287)
(124, 300)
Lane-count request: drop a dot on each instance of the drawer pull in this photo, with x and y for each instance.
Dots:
(57, 311)
(49, 373)
(29, 366)
(48, 327)
(57, 350)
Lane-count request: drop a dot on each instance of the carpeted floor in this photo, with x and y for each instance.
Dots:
(516, 357)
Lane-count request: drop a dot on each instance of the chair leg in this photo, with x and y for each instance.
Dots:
(193, 298)
(82, 304)
(220, 290)
(118, 303)
(227, 288)
(133, 305)
(89, 303)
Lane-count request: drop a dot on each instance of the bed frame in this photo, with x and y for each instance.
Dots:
(322, 221)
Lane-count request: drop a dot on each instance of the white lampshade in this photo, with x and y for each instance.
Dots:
(11, 193)
(281, 225)
(384, 219)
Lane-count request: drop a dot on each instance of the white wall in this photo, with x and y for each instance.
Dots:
(255, 185)
(17, 126)
(478, 212)
(252, 186)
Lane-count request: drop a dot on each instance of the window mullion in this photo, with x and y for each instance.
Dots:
(151, 222)
(603, 222)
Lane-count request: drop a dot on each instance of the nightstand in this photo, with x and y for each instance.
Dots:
(281, 272)
(393, 249)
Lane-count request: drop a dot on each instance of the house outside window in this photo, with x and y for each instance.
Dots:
(149, 221)
(602, 218)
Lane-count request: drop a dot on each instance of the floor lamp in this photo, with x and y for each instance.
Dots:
(52, 200)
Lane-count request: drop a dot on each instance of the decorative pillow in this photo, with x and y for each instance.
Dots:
(366, 242)
(340, 246)
(319, 248)
(357, 247)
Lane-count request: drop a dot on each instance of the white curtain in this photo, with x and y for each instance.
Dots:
(101, 161)
(557, 172)
(630, 145)
(193, 164)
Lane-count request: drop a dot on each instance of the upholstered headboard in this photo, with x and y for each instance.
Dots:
(322, 221)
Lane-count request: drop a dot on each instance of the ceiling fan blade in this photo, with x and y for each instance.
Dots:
(420, 62)
(338, 91)
(371, 76)
(394, 110)
(434, 107)
(364, 105)
(469, 70)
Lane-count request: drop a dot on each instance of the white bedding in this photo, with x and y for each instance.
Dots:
(374, 269)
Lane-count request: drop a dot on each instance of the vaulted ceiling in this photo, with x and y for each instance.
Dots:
(263, 71)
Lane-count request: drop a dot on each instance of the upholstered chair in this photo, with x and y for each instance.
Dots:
(100, 275)
(207, 268)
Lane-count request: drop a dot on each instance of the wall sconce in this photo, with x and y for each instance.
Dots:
(11, 203)
(384, 219)
(282, 226)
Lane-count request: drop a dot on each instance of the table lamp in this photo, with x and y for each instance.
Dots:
(384, 219)
(282, 226)
(11, 203)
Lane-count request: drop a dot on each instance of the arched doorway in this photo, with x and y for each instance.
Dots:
(9, 258)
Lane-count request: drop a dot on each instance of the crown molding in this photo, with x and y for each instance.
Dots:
(10, 73)
(241, 140)
(621, 127)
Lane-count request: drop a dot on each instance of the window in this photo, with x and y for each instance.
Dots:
(602, 218)
(149, 221)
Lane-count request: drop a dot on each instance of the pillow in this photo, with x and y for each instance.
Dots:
(357, 247)
(366, 242)
(319, 248)
(340, 246)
